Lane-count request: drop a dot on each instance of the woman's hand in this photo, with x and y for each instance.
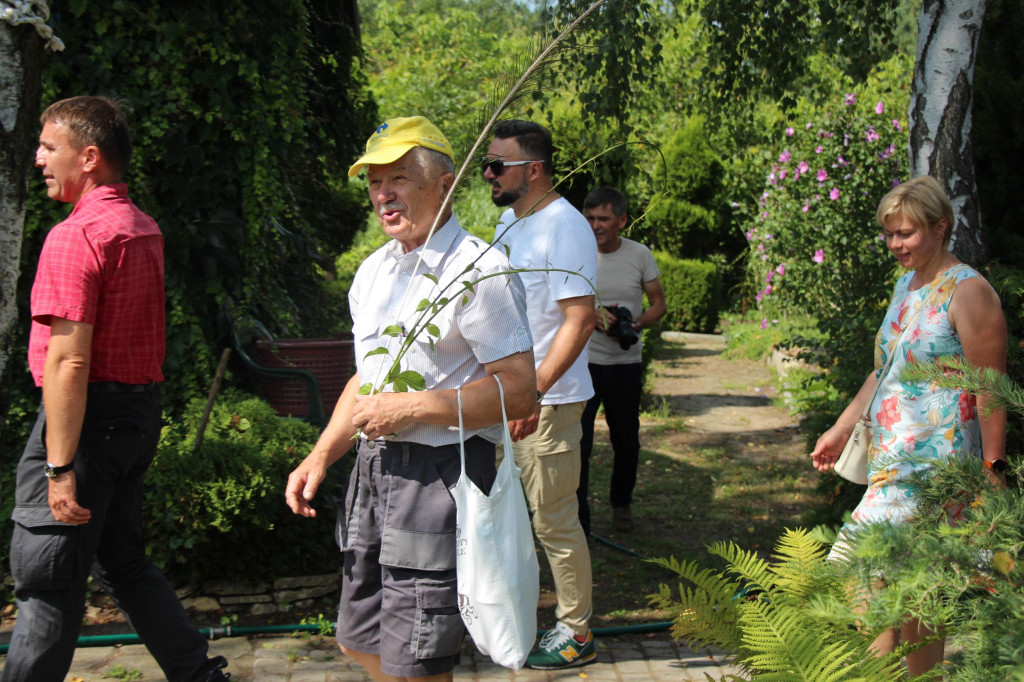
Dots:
(829, 446)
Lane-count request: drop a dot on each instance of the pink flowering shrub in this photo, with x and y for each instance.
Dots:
(814, 246)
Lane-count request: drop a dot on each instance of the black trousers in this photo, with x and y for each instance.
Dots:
(619, 388)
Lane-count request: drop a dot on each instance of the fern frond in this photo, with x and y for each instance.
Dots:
(782, 644)
(746, 564)
(801, 556)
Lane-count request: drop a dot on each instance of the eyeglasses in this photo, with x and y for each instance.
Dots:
(498, 167)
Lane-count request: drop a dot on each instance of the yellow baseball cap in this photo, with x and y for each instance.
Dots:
(396, 136)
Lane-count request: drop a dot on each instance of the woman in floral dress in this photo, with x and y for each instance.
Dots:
(951, 310)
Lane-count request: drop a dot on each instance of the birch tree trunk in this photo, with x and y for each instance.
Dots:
(21, 51)
(940, 112)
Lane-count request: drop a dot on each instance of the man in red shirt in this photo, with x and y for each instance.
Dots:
(96, 347)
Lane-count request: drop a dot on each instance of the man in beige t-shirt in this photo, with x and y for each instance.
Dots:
(625, 272)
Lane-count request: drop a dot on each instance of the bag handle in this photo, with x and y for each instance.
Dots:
(504, 422)
(917, 313)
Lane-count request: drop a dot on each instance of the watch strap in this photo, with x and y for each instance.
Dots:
(51, 471)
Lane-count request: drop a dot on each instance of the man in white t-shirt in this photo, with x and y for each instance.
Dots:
(625, 272)
(543, 233)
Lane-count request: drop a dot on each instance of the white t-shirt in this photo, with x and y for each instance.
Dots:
(558, 236)
(620, 281)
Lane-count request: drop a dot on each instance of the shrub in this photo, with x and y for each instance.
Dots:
(814, 247)
(689, 219)
(220, 512)
(692, 293)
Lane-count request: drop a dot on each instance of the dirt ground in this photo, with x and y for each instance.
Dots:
(721, 460)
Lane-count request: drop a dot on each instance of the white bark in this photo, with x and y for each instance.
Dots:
(20, 72)
(940, 112)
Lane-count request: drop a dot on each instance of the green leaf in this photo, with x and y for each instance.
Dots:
(469, 286)
(422, 305)
(414, 380)
(433, 330)
(366, 389)
(381, 350)
(431, 277)
(465, 299)
(392, 330)
(399, 386)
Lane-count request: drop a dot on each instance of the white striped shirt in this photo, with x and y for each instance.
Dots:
(476, 327)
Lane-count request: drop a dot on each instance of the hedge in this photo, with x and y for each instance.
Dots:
(693, 292)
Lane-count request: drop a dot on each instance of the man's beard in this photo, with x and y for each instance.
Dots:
(510, 196)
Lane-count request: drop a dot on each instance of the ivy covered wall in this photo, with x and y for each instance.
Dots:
(245, 116)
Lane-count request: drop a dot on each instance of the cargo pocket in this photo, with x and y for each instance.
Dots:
(42, 549)
(438, 630)
(346, 528)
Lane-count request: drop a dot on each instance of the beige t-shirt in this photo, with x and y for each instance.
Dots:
(620, 279)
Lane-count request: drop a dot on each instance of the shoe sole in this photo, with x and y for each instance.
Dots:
(582, 660)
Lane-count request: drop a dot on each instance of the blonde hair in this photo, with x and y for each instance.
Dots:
(922, 201)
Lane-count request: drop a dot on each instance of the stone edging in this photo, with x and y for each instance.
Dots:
(260, 597)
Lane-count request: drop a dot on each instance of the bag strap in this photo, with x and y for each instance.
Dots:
(504, 423)
(917, 313)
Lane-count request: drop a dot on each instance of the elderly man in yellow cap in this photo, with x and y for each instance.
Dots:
(399, 613)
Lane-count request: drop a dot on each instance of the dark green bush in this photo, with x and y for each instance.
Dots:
(693, 292)
(221, 511)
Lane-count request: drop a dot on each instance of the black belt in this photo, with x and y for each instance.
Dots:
(103, 387)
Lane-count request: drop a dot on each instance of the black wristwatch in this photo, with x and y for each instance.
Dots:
(51, 471)
(997, 466)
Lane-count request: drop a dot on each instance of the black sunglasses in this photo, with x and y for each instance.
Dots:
(498, 167)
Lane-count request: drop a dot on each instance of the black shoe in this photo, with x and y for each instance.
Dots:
(213, 670)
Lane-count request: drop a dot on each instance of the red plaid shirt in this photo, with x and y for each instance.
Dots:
(104, 266)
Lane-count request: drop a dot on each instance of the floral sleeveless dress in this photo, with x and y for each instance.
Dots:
(915, 424)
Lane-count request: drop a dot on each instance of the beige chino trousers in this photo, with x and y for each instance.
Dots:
(550, 461)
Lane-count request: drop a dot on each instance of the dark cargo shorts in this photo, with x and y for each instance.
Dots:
(397, 533)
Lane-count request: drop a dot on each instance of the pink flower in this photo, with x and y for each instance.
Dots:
(967, 406)
(822, 175)
(819, 256)
(889, 414)
(808, 126)
(768, 290)
(879, 108)
(850, 99)
(803, 167)
(758, 297)
(789, 132)
(834, 194)
(895, 182)
(840, 160)
(764, 323)
(784, 156)
(781, 269)
(806, 208)
(768, 276)
(782, 174)
(872, 135)
(897, 126)
(819, 150)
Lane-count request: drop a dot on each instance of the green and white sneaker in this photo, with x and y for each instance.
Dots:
(558, 648)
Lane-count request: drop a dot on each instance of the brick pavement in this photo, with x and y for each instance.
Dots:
(304, 658)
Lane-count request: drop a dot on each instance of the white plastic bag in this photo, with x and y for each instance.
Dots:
(495, 560)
